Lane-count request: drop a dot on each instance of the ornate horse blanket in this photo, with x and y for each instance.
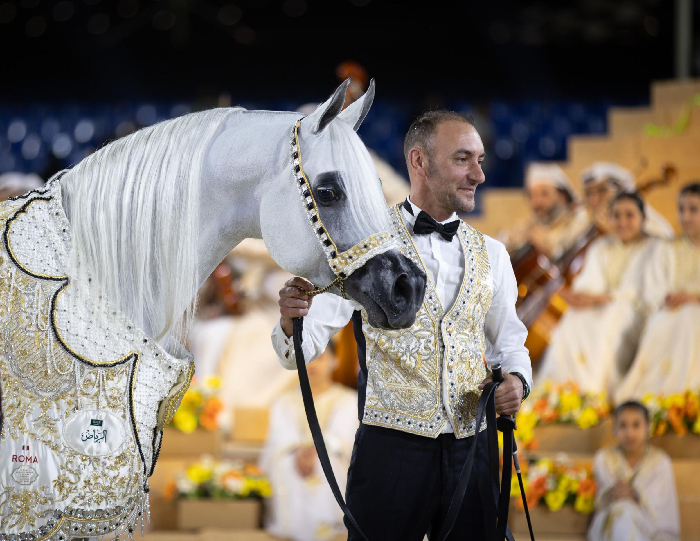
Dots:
(84, 393)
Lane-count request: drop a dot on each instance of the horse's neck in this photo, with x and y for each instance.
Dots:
(250, 150)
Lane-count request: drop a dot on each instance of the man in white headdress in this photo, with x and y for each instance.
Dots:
(557, 218)
(13, 184)
(604, 180)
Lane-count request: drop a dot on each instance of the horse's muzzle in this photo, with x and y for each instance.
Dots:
(390, 287)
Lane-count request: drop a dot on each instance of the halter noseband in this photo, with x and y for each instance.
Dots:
(345, 263)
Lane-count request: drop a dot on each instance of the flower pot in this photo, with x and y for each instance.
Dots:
(177, 444)
(224, 514)
(676, 446)
(566, 521)
(567, 438)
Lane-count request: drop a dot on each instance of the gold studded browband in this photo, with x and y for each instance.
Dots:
(345, 263)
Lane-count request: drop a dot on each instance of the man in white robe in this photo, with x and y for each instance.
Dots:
(557, 221)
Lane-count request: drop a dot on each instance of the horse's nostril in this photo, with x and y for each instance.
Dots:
(402, 291)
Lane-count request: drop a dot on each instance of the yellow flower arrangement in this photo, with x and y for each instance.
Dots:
(588, 418)
(200, 407)
(219, 480)
(560, 403)
(556, 483)
(680, 412)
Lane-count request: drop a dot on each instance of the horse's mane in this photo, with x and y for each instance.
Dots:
(133, 207)
(369, 212)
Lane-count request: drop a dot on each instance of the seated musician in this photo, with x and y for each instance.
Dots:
(597, 337)
(668, 360)
(302, 506)
(604, 180)
(636, 497)
(557, 220)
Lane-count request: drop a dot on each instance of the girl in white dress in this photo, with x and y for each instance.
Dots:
(668, 360)
(636, 497)
(596, 339)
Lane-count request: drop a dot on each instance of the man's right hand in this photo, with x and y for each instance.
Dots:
(294, 302)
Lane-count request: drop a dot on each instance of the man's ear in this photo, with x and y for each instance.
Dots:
(417, 158)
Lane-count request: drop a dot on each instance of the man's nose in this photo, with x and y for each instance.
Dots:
(476, 174)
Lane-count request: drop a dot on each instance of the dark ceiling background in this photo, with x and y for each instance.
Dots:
(260, 49)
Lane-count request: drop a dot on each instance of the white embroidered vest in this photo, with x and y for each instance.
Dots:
(83, 402)
(419, 378)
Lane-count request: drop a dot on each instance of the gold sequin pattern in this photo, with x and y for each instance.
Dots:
(44, 382)
(418, 378)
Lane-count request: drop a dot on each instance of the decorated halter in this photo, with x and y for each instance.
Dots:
(345, 263)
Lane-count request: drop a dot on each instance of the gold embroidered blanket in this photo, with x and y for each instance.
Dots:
(84, 393)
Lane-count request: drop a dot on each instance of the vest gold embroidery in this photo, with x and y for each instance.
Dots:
(420, 378)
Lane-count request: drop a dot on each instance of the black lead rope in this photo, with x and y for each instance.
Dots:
(314, 425)
(486, 407)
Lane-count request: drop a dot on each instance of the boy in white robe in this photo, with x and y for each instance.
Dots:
(636, 497)
(302, 506)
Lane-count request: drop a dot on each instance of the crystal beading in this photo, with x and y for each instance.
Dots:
(59, 355)
(345, 263)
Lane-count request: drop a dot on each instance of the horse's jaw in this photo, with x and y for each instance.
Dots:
(390, 287)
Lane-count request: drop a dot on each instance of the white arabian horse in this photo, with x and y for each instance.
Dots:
(99, 269)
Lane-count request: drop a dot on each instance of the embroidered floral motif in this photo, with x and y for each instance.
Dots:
(56, 359)
(418, 378)
(21, 508)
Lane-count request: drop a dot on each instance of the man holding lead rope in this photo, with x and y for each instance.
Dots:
(419, 387)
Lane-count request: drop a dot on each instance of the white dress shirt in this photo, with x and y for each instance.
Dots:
(444, 261)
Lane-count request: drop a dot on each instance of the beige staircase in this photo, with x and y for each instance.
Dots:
(555, 439)
(626, 143)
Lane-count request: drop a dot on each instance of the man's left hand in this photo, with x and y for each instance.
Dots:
(509, 394)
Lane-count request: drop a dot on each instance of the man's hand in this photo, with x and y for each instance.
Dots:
(509, 394)
(622, 491)
(585, 300)
(679, 298)
(538, 235)
(294, 302)
(305, 460)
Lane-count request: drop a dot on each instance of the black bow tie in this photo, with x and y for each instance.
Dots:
(426, 224)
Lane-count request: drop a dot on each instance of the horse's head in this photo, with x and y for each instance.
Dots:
(345, 207)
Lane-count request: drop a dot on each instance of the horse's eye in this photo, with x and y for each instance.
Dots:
(326, 195)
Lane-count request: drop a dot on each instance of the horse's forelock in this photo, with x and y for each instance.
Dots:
(363, 189)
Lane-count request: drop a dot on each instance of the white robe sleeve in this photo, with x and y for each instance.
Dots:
(505, 333)
(283, 436)
(339, 433)
(631, 286)
(605, 479)
(659, 500)
(591, 279)
(658, 275)
(327, 315)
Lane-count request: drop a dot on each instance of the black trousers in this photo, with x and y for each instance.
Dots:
(400, 485)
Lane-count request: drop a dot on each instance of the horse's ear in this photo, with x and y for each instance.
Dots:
(356, 112)
(327, 111)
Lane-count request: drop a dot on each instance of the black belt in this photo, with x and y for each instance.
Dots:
(496, 515)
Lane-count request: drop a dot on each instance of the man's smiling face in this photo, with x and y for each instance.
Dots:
(454, 165)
